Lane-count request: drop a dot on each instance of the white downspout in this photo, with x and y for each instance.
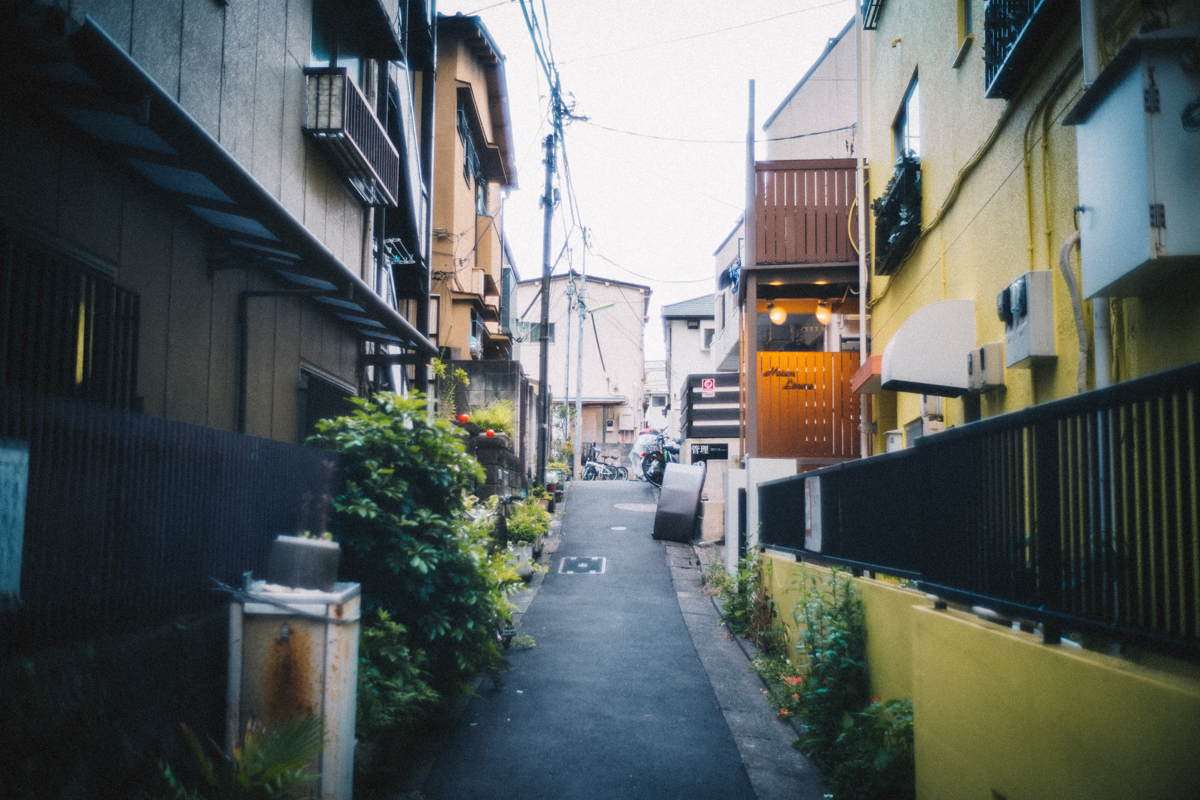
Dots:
(860, 188)
(1090, 33)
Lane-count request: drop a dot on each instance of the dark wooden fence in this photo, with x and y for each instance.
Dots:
(129, 517)
(1080, 514)
(803, 210)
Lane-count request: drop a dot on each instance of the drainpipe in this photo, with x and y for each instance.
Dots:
(428, 96)
(860, 188)
(750, 306)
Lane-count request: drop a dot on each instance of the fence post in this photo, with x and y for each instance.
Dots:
(1048, 521)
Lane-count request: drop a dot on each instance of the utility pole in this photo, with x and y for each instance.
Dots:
(579, 364)
(566, 432)
(544, 338)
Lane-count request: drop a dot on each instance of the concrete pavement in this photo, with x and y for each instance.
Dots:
(632, 689)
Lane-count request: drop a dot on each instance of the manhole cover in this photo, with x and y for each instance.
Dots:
(645, 508)
(582, 566)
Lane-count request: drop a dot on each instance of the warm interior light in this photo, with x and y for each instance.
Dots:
(823, 312)
(776, 314)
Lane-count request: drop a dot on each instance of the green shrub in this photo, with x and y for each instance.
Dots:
(402, 519)
(746, 610)
(527, 520)
(497, 416)
(393, 690)
(875, 754)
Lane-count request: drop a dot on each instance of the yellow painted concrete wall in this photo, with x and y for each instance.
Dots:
(1012, 213)
(997, 713)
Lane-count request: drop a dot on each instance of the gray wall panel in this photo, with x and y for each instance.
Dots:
(145, 267)
(271, 65)
(157, 27)
(89, 208)
(237, 86)
(222, 355)
(188, 328)
(287, 369)
(114, 16)
(200, 79)
(29, 172)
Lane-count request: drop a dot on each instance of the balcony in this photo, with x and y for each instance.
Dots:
(803, 212)
(487, 254)
(341, 122)
(898, 216)
(1015, 31)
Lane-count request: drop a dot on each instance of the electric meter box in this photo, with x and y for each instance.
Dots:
(985, 367)
(294, 652)
(1137, 133)
(1026, 307)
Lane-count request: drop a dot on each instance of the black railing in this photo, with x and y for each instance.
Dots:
(340, 119)
(898, 216)
(1080, 514)
(717, 416)
(1014, 32)
(129, 517)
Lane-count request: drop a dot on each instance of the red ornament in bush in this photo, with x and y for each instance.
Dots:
(490, 432)
(463, 418)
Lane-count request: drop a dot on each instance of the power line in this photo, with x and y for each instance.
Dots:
(587, 121)
(702, 35)
(647, 277)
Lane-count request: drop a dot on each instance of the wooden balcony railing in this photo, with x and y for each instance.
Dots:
(341, 121)
(803, 212)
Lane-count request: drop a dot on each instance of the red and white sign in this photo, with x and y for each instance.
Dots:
(708, 387)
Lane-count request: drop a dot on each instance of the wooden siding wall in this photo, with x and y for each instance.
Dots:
(804, 211)
(805, 406)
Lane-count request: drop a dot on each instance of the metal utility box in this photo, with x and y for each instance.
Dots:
(1137, 133)
(985, 367)
(1026, 307)
(294, 652)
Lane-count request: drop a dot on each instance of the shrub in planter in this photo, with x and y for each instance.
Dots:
(527, 520)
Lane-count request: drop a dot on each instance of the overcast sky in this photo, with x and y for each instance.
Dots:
(655, 208)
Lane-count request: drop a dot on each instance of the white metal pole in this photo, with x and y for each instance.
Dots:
(864, 348)
(582, 301)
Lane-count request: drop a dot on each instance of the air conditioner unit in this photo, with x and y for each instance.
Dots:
(1137, 134)
(1026, 307)
(985, 368)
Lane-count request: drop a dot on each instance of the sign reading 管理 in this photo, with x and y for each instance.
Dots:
(710, 452)
(14, 483)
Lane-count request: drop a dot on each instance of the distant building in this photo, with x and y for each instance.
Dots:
(689, 332)
(613, 354)
(656, 404)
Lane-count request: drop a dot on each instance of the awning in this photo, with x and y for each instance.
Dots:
(103, 93)
(866, 380)
(928, 355)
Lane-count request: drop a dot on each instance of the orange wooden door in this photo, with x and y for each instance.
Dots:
(805, 406)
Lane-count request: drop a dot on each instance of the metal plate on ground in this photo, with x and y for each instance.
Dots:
(583, 566)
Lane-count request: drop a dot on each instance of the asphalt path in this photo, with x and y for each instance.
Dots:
(612, 702)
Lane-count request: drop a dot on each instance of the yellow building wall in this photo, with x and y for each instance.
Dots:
(1008, 203)
(997, 713)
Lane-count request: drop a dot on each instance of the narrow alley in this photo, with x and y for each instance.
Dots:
(631, 689)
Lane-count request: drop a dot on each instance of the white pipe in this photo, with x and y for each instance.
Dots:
(860, 187)
(1090, 32)
(1064, 266)
(1103, 337)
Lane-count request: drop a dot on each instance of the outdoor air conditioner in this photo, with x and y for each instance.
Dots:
(1137, 133)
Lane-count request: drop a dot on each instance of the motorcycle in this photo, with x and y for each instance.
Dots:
(654, 461)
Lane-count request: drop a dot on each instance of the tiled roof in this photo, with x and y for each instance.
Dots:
(697, 307)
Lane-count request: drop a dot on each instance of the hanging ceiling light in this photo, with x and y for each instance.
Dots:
(823, 312)
(776, 314)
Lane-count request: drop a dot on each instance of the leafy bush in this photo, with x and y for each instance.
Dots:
(497, 416)
(271, 764)
(746, 610)
(875, 754)
(833, 642)
(393, 691)
(402, 519)
(527, 520)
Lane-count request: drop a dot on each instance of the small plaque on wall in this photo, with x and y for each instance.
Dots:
(710, 452)
(14, 483)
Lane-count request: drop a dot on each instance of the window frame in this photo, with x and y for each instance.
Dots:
(905, 116)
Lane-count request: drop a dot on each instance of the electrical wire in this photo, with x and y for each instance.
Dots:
(706, 33)
(588, 121)
(647, 277)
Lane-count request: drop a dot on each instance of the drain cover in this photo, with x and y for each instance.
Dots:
(582, 566)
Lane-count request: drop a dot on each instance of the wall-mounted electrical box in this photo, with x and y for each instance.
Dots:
(985, 367)
(1026, 307)
(1137, 133)
(625, 421)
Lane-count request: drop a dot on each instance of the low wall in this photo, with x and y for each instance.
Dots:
(999, 714)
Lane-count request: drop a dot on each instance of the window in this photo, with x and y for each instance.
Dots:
(708, 337)
(907, 128)
(70, 330)
(693, 324)
(724, 301)
(329, 49)
(318, 399)
(532, 332)
(658, 400)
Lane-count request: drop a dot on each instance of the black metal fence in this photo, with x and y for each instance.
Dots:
(1081, 514)
(129, 517)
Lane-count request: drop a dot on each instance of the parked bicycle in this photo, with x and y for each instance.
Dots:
(602, 469)
(655, 459)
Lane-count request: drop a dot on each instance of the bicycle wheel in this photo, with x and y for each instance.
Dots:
(622, 474)
(589, 473)
(653, 468)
